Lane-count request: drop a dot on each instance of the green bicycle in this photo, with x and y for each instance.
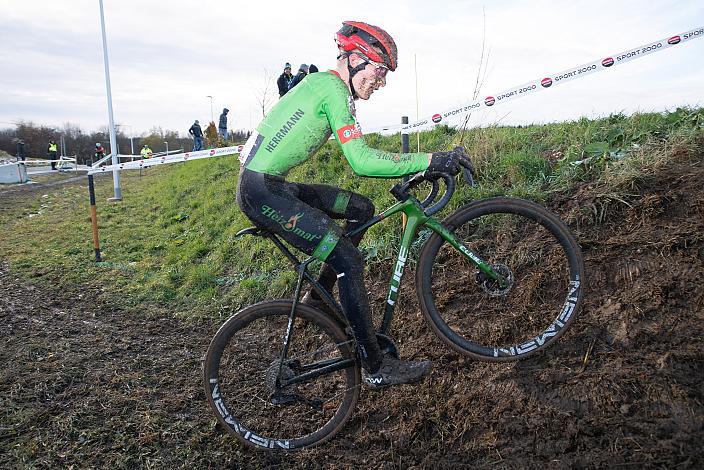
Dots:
(498, 280)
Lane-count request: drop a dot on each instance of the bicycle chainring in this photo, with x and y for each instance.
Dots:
(387, 345)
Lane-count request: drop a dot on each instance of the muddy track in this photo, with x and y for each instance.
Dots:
(14, 194)
(87, 385)
(59, 180)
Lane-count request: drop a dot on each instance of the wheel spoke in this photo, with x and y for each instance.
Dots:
(248, 371)
(529, 248)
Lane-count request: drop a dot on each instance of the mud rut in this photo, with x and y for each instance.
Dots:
(86, 385)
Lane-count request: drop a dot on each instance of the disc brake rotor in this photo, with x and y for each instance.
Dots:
(492, 287)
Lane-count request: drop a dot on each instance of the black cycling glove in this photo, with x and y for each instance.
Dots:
(447, 162)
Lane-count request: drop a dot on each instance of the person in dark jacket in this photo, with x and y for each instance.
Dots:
(312, 68)
(285, 80)
(21, 152)
(222, 126)
(197, 134)
(302, 72)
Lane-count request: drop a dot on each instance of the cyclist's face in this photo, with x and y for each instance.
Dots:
(369, 80)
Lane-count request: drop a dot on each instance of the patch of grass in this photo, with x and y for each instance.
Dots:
(171, 242)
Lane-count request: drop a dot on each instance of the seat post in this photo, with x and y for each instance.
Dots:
(283, 248)
(301, 268)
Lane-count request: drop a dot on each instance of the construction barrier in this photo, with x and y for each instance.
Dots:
(14, 172)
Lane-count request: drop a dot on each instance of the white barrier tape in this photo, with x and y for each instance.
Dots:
(139, 155)
(544, 83)
(181, 157)
(170, 152)
(101, 161)
(44, 162)
(155, 154)
(130, 157)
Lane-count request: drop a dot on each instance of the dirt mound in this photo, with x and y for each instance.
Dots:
(87, 385)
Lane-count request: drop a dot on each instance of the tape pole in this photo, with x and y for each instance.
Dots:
(404, 149)
(550, 80)
(94, 218)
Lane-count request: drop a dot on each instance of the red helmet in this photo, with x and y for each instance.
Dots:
(360, 37)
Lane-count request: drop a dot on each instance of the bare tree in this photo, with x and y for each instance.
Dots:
(481, 74)
(264, 93)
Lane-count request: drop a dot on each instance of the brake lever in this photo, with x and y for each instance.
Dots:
(468, 171)
(468, 177)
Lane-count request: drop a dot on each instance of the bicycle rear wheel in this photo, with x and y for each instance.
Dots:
(243, 370)
(528, 245)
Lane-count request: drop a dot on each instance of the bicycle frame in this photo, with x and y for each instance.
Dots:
(416, 219)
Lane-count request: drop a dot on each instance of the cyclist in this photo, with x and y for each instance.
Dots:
(302, 214)
(99, 151)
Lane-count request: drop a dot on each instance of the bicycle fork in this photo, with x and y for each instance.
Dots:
(483, 266)
(416, 220)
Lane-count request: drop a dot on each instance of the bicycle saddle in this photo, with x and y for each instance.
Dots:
(256, 231)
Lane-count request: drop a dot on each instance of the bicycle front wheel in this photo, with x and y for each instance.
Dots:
(537, 255)
(244, 371)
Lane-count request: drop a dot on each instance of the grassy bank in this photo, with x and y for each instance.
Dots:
(170, 244)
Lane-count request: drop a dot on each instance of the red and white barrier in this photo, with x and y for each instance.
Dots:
(177, 158)
(549, 80)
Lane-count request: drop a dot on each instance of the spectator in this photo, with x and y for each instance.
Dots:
(197, 134)
(21, 152)
(211, 135)
(312, 68)
(302, 72)
(51, 152)
(99, 151)
(285, 80)
(222, 126)
(146, 152)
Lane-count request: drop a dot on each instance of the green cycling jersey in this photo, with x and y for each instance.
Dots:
(303, 120)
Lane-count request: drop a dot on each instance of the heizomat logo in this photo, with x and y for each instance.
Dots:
(290, 224)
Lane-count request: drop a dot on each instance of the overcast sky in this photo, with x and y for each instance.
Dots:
(166, 56)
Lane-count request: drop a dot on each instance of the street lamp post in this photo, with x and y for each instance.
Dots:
(212, 118)
(167, 148)
(113, 140)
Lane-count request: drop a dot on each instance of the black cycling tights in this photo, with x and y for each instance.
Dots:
(302, 214)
